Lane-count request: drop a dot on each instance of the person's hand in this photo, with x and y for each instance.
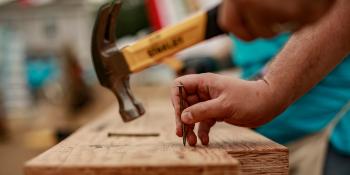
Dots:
(249, 19)
(210, 98)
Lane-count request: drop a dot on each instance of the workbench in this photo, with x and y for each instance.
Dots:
(99, 149)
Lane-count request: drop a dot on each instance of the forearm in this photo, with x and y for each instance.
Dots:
(310, 55)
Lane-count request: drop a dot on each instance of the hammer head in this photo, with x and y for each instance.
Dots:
(111, 67)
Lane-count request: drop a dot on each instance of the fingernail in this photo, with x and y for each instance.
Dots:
(205, 140)
(187, 117)
(179, 132)
(192, 140)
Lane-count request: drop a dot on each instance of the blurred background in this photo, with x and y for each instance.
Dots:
(48, 87)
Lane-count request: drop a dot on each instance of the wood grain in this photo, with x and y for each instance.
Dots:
(232, 150)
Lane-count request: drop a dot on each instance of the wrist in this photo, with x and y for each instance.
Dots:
(269, 101)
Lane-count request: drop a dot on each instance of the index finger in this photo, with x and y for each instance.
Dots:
(195, 84)
(190, 83)
(190, 86)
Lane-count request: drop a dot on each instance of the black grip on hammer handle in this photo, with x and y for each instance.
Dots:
(212, 28)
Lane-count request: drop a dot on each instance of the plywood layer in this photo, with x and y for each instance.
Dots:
(232, 150)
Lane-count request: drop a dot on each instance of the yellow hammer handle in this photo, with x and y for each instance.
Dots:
(165, 42)
(168, 41)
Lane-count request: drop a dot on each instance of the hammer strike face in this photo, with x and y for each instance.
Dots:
(111, 67)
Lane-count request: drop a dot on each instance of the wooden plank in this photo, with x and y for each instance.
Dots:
(90, 150)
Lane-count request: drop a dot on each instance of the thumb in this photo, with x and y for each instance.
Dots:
(211, 109)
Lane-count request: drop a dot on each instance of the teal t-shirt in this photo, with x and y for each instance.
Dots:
(310, 113)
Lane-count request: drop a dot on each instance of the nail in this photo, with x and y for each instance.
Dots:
(187, 117)
(110, 134)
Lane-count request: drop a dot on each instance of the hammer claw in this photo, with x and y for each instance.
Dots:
(105, 25)
(110, 35)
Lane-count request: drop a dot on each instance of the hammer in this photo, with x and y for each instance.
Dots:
(113, 66)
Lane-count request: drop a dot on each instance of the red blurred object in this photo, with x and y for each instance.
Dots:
(25, 3)
(153, 14)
